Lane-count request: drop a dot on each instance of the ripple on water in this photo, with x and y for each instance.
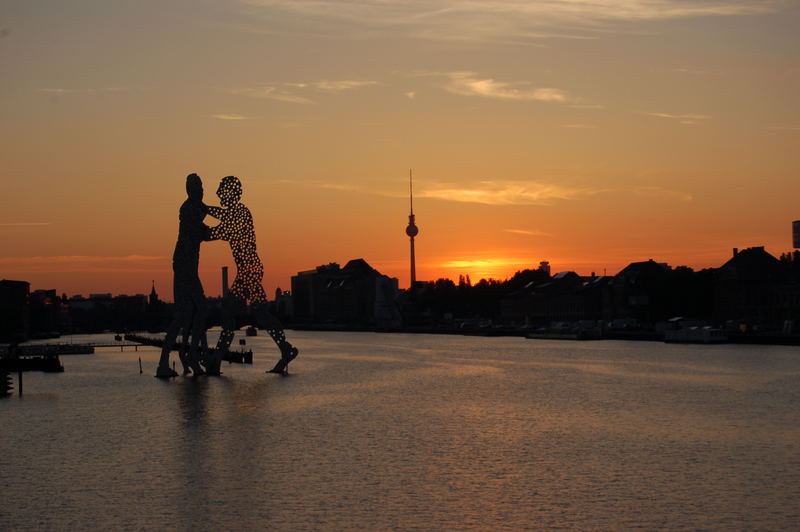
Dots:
(412, 432)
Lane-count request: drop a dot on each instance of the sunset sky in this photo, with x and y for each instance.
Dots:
(589, 133)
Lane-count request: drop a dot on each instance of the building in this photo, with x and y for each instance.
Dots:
(640, 292)
(14, 311)
(754, 289)
(566, 297)
(357, 295)
(49, 315)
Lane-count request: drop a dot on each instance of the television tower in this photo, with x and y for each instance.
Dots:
(412, 230)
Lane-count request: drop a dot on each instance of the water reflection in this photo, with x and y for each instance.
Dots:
(378, 432)
(192, 443)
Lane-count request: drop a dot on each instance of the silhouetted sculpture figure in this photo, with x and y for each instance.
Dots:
(190, 301)
(236, 227)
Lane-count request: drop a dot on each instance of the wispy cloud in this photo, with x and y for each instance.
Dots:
(508, 20)
(502, 193)
(784, 128)
(271, 93)
(230, 117)
(691, 71)
(341, 85)
(411, 95)
(580, 126)
(507, 193)
(290, 91)
(527, 232)
(23, 224)
(84, 264)
(686, 119)
(66, 259)
(499, 192)
(60, 90)
(468, 84)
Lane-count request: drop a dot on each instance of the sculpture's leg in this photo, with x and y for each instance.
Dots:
(183, 354)
(288, 351)
(196, 301)
(275, 330)
(164, 371)
(214, 361)
(198, 338)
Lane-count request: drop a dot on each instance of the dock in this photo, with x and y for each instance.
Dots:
(237, 357)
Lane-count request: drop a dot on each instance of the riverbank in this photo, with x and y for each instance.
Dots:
(638, 335)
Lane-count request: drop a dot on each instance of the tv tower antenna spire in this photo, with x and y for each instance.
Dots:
(412, 230)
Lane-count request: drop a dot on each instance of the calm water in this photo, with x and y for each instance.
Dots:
(412, 432)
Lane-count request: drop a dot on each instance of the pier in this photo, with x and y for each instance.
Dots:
(237, 357)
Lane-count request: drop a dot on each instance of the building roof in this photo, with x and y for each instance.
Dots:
(753, 264)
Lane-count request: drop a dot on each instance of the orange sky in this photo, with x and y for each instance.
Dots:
(588, 134)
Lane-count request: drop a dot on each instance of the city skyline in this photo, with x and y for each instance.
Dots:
(585, 134)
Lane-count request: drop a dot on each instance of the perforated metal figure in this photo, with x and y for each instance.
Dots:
(236, 227)
(190, 301)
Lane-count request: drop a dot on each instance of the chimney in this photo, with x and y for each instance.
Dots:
(735, 251)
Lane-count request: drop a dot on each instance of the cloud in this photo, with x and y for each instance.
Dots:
(484, 192)
(686, 119)
(467, 84)
(580, 126)
(288, 91)
(503, 20)
(341, 85)
(61, 90)
(507, 193)
(526, 232)
(691, 71)
(230, 117)
(66, 259)
(784, 128)
(83, 264)
(272, 93)
(411, 95)
(23, 224)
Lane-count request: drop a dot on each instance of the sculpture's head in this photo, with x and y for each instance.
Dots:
(194, 187)
(229, 191)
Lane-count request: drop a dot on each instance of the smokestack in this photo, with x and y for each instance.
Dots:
(796, 233)
(224, 281)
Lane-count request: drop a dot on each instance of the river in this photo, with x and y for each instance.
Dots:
(411, 432)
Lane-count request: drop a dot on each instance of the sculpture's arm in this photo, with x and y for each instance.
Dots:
(215, 212)
(219, 232)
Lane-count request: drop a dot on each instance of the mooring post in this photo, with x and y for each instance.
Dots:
(19, 382)
(140, 366)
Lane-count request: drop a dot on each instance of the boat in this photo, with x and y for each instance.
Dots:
(696, 335)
